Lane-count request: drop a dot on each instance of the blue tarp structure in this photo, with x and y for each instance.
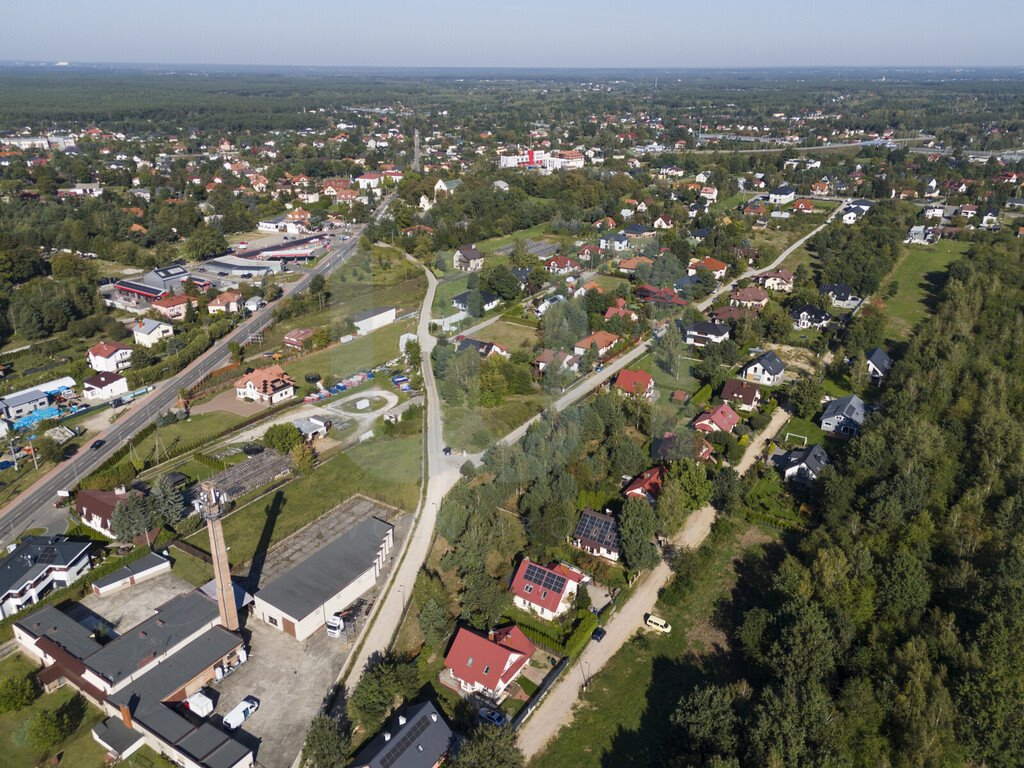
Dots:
(36, 416)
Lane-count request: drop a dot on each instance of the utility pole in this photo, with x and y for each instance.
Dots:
(13, 454)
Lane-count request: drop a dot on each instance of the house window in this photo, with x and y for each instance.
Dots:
(487, 669)
(272, 621)
(528, 588)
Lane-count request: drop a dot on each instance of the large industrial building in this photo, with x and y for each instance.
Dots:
(299, 601)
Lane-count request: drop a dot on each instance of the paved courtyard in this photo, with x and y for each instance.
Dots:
(290, 679)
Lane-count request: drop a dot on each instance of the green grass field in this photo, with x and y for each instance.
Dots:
(796, 428)
(623, 718)
(510, 335)
(447, 289)
(916, 275)
(490, 246)
(664, 381)
(386, 469)
(80, 750)
(474, 429)
(610, 283)
(198, 427)
(360, 354)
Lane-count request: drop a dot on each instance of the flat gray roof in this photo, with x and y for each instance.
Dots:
(73, 637)
(309, 584)
(170, 625)
(113, 734)
(143, 564)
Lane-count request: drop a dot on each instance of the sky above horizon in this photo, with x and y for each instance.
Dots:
(519, 33)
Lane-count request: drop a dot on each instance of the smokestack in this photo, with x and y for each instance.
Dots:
(126, 716)
(218, 550)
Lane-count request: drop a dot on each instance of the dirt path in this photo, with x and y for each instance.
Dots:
(556, 710)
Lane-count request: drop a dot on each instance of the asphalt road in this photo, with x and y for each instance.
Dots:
(34, 508)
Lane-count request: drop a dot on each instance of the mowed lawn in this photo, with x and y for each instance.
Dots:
(80, 750)
(474, 428)
(360, 354)
(389, 470)
(917, 274)
(664, 382)
(511, 335)
(623, 719)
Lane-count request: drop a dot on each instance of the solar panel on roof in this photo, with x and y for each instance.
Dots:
(544, 578)
(393, 755)
(597, 528)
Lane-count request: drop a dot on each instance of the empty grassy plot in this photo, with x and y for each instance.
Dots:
(914, 283)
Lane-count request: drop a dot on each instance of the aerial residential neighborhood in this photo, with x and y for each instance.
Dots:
(457, 397)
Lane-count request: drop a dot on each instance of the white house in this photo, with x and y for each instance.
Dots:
(228, 301)
(149, 332)
(767, 369)
(844, 416)
(782, 195)
(616, 242)
(109, 356)
(36, 566)
(104, 386)
(547, 591)
(268, 385)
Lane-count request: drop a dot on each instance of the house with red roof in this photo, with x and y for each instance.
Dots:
(647, 485)
(588, 252)
(620, 310)
(265, 385)
(636, 383)
(721, 418)
(548, 591)
(629, 266)
(561, 265)
(174, 307)
(109, 356)
(712, 265)
(752, 297)
(803, 205)
(487, 664)
(651, 294)
(602, 340)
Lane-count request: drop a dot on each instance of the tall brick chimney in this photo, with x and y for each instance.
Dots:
(212, 513)
(126, 716)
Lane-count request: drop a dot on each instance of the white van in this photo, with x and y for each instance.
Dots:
(242, 711)
(657, 623)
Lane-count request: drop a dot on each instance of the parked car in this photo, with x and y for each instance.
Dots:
(242, 712)
(657, 623)
(493, 716)
(447, 450)
(598, 634)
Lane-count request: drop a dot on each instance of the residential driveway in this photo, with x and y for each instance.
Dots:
(291, 680)
(227, 401)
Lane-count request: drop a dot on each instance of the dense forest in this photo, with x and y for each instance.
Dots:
(889, 633)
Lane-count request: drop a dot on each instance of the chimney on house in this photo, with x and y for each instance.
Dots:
(212, 513)
(126, 716)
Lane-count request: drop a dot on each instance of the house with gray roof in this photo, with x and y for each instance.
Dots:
(768, 369)
(36, 566)
(879, 364)
(418, 737)
(802, 465)
(844, 416)
(299, 601)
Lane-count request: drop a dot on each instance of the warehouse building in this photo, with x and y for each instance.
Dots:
(299, 601)
(372, 319)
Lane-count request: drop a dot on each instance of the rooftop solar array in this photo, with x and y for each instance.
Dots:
(394, 754)
(598, 528)
(544, 578)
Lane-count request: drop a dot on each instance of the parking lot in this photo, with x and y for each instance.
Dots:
(290, 679)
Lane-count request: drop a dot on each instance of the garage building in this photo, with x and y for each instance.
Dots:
(299, 601)
(372, 319)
